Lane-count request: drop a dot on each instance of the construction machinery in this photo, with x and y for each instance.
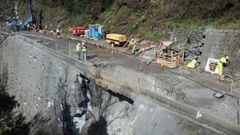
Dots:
(78, 31)
(95, 32)
(168, 57)
(116, 39)
(15, 25)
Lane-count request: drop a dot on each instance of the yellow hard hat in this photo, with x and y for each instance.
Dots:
(227, 57)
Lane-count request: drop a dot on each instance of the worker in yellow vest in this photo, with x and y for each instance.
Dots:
(79, 51)
(192, 64)
(222, 62)
(132, 45)
(113, 47)
(58, 33)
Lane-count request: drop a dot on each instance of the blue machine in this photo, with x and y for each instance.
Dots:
(13, 25)
(95, 32)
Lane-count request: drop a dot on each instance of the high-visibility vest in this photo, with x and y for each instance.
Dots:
(222, 61)
(78, 48)
(133, 48)
(220, 68)
(192, 64)
(132, 42)
(84, 49)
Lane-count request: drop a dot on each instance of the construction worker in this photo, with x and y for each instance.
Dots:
(192, 64)
(84, 51)
(79, 50)
(58, 33)
(222, 62)
(28, 26)
(132, 46)
(113, 47)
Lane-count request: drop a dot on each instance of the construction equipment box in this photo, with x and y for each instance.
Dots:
(116, 39)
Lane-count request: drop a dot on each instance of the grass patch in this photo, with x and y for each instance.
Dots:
(180, 14)
(80, 21)
(49, 13)
(155, 36)
(222, 23)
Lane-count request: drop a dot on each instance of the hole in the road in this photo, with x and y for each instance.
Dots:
(121, 97)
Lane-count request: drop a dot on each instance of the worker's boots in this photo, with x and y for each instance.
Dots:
(221, 77)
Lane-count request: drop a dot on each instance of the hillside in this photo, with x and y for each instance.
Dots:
(145, 17)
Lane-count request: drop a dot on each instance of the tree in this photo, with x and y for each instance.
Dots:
(10, 123)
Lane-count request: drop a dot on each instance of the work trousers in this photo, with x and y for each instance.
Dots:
(220, 68)
(84, 56)
(79, 55)
(133, 49)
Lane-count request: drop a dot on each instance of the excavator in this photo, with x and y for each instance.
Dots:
(31, 21)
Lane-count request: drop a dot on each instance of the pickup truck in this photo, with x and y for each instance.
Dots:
(78, 31)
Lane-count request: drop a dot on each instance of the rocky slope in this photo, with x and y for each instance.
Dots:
(146, 16)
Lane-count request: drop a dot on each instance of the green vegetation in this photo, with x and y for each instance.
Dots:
(145, 17)
(155, 36)
(194, 133)
(52, 14)
(10, 123)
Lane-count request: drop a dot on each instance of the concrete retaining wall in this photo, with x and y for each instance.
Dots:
(118, 79)
(223, 42)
